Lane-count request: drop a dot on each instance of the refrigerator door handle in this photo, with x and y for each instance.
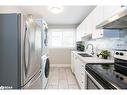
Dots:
(25, 50)
(26, 64)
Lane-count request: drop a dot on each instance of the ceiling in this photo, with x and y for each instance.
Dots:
(71, 15)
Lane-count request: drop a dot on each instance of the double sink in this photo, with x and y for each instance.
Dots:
(85, 55)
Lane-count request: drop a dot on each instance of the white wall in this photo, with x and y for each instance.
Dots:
(60, 57)
(9, 9)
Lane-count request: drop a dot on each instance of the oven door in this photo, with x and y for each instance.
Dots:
(92, 83)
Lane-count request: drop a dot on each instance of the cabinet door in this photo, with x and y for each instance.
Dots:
(75, 65)
(110, 11)
(98, 15)
(85, 23)
(97, 19)
(72, 62)
(90, 23)
(82, 75)
(78, 33)
(84, 28)
(88, 26)
(77, 69)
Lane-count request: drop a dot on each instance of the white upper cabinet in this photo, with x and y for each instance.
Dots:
(110, 11)
(79, 33)
(88, 25)
(97, 16)
(85, 27)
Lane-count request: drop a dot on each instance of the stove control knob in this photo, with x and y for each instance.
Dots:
(117, 76)
(121, 78)
(121, 54)
(117, 53)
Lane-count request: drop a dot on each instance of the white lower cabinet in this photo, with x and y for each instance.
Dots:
(72, 62)
(75, 64)
(81, 75)
(78, 68)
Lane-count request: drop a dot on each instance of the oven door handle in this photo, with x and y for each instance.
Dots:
(99, 86)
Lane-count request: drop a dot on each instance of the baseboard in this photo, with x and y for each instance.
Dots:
(60, 65)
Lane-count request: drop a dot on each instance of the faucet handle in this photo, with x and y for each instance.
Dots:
(92, 53)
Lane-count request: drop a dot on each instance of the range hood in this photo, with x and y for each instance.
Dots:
(118, 21)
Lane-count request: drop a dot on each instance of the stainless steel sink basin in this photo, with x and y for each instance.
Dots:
(85, 55)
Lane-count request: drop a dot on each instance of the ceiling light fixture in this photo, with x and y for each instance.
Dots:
(56, 9)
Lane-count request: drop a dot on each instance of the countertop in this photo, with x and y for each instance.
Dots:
(93, 59)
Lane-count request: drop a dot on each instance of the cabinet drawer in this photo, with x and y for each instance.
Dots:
(82, 67)
(82, 84)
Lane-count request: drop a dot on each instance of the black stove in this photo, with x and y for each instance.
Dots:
(107, 73)
(110, 75)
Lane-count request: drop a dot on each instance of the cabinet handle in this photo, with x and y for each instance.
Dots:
(122, 6)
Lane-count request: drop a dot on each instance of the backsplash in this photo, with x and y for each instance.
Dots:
(107, 44)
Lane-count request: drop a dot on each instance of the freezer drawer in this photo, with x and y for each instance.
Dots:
(35, 82)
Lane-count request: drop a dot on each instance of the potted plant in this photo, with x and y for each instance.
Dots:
(105, 54)
(82, 47)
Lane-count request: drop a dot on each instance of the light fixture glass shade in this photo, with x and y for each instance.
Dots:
(56, 9)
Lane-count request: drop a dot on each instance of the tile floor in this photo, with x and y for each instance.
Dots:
(61, 78)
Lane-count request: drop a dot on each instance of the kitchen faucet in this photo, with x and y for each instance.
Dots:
(92, 48)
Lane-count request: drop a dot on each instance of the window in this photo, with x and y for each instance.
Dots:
(56, 39)
(62, 38)
(68, 39)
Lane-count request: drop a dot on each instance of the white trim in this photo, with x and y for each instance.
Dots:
(60, 65)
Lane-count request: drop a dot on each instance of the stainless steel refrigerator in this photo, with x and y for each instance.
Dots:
(20, 52)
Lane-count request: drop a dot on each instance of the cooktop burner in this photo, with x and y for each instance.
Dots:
(107, 72)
